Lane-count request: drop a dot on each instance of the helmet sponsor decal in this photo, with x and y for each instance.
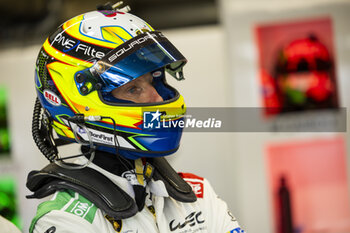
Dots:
(52, 98)
(157, 74)
(132, 45)
(96, 136)
(77, 48)
(99, 137)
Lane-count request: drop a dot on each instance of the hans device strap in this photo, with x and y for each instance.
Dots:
(102, 191)
(177, 188)
(86, 181)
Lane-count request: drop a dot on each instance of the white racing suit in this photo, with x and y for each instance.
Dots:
(70, 212)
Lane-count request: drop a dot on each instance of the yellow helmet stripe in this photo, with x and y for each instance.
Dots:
(62, 129)
(72, 27)
(64, 57)
(51, 71)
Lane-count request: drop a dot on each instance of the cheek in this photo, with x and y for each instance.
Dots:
(145, 97)
(150, 95)
(116, 94)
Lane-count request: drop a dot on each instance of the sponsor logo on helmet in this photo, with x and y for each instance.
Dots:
(101, 137)
(81, 130)
(157, 74)
(96, 136)
(192, 220)
(52, 98)
(127, 47)
(69, 44)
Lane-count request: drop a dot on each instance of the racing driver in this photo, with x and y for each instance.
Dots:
(99, 79)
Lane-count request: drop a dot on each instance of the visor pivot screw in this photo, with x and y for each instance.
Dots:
(84, 90)
(98, 86)
(87, 108)
(80, 78)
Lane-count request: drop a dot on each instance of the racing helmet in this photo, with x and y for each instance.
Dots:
(78, 67)
(304, 73)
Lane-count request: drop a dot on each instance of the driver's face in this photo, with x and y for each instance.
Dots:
(139, 90)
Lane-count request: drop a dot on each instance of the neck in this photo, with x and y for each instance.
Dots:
(112, 163)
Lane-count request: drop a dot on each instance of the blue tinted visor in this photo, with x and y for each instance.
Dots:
(144, 53)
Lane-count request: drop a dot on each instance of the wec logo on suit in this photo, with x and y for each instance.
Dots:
(192, 219)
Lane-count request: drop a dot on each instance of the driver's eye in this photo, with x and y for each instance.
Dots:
(134, 90)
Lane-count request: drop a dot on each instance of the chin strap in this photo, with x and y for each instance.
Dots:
(139, 171)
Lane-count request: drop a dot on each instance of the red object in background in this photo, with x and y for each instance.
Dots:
(317, 184)
(297, 49)
(321, 87)
(309, 49)
(270, 97)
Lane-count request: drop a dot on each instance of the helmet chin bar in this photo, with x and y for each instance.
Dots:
(47, 144)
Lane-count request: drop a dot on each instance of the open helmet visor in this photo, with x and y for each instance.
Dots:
(144, 53)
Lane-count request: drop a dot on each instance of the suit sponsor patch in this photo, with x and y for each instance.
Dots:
(196, 183)
(236, 230)
(192, 220)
